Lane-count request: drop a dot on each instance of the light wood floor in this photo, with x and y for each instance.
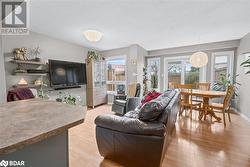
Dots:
(194, 143)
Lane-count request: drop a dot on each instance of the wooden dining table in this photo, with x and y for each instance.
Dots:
(206, 95)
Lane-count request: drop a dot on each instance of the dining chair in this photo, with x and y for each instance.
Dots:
(203, 86)
(186, 97)
(219, 107)
(172, 85)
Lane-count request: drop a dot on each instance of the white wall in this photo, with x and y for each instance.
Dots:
(194, 48)
(50, 49)
(244, 100)
(2, 74)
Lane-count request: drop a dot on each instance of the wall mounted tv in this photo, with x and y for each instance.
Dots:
(65, 74)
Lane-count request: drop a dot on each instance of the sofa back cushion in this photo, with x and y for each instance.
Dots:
(173, 98)
(151, 111)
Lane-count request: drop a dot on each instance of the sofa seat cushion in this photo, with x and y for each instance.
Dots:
(120, 102)
(130, 125)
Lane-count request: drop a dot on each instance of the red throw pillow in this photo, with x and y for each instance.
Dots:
(150, 96)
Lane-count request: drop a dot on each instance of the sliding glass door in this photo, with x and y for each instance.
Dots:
(174, 72)
(153, 71)
(180, 71)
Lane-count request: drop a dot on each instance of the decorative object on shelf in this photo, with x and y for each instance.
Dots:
(93, 35)
(42, 83)
(35, 52)
(69, 99)
(246, 63)
(198, 59)
(154, 76)
(20, 54)
(93, 55)
(22, 82)
(145, 80)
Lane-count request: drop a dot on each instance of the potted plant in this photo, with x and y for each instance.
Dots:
(145, 80)
(246, 64)
(224, 82)
(93, 55)
(68, 99)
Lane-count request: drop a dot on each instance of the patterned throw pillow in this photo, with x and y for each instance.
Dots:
(150, 96)
(150, 111)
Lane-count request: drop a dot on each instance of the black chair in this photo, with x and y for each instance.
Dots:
(122, 103)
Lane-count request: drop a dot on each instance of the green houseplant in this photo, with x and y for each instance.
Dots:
(145, 80)
(246, 64)
(224, 82)
(68, 99)
(93, 55)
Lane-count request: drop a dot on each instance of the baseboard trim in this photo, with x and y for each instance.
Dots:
(244, 117)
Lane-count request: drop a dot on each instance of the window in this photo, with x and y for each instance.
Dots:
(116, 74)
(192, 74)
(178, 70)
(222, 66)
(153, 70)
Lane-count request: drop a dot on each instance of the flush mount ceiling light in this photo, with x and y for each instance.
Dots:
(92, 35)
(199, 59)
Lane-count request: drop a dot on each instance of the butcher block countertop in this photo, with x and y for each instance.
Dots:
(29, 121)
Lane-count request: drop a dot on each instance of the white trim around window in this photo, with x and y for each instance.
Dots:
(230, 63)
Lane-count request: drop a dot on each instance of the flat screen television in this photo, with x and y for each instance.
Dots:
(64, 74)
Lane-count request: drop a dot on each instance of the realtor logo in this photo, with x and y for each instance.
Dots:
(14, 17)
(4, 163)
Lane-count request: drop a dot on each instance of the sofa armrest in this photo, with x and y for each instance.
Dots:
(130, 125)
(132, 103)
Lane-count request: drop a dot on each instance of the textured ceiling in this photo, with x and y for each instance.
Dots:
(152, 24)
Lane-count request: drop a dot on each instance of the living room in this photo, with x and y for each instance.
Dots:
(124, 83)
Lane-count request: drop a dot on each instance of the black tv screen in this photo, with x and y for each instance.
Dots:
(67, 74)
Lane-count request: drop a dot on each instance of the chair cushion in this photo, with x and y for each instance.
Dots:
(217, 105)
(120, 102)
(150, 111)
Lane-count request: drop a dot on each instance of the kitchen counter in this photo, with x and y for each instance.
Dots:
(27, 122)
